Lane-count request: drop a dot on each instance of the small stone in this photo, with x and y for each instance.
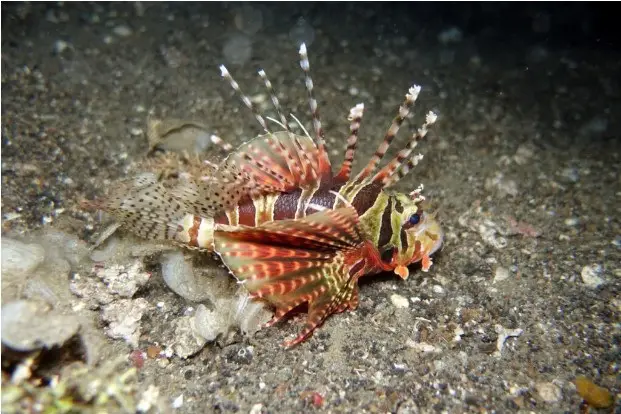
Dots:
(256, 409)
(399, 301)
(421, 347)
(178, 402)
(163, 363)
(153, 351)
(572, 221)
(122, 31)
(548, 392)
(60, 46)
(27, 326)
(437, 289)
(149, 399)
(591, 276)
(503, 334)
(187, 341)
(20, 258)
(501, 274)
(124, 318)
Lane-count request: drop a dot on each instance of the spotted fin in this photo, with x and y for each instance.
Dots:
(292, 262)
(146, 207)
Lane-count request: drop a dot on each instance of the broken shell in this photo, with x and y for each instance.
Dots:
(178, 135)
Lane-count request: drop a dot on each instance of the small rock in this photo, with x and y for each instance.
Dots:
(591, 276)
(178, 402)
(149, 399)
(60, 46)
(501, 274)
(399, 301)
(437, 289)
(503, 334)
(187, 340)
(210, 324)
(179, 275)
(124, 281)
(20, 258)
(572, 221)
(123, 317)
(122, 31)
(422, 347)
(27, 326)
(548, 392)
(256, 409)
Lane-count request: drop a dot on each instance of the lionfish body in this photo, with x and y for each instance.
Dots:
(288, 227)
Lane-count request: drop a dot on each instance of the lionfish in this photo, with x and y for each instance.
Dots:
(287, 227)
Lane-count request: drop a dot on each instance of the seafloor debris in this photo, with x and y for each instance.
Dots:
(29, 325)
(227, 315)
(86, 389)
(112, 281)
(123, 317)
(594, 395)
(548, 391)
(178, 135)
(181, 277)
(39, 309)
(503, 335)
(591, 276)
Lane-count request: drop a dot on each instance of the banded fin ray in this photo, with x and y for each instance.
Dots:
(404, 110)
(292, 262)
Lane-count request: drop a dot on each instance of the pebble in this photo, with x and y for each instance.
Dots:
(27, 326)
(20, 258)
(60, 46)
(437, 289)
(122, 31)
(548, 392)
(501, 274)
(178, 402)
(572, 221)
(591, 276)
(503, 334)
(399, 301)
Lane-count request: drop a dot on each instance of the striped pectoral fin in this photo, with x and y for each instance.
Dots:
(292, 262)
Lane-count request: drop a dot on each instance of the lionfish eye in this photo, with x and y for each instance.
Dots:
(414, 219)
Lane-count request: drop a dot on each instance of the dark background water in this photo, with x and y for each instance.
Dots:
(562, 24)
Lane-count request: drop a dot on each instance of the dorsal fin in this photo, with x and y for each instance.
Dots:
(404, 110)
(324, 160)
(277, 161)
(389, 175)
(355, 117)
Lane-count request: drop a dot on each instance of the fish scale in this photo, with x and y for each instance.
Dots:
(282, 223)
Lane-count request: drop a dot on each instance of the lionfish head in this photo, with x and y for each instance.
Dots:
(419, 233)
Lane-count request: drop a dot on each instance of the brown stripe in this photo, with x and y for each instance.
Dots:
(386, 227)
(356, 267)
(193, 232)
(366, 197)
(247, 213)
(404, 240)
